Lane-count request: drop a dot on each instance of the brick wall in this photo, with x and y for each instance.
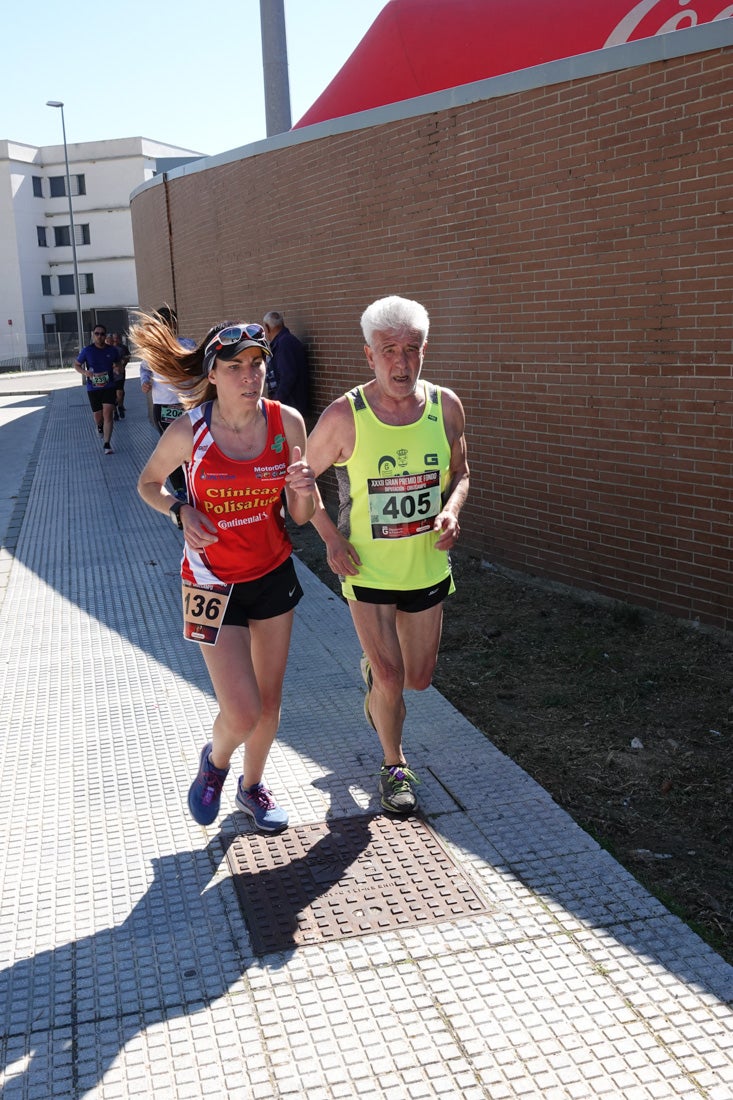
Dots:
(573, 246)
(154, 250)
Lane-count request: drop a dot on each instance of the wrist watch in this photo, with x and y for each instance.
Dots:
(175, 513)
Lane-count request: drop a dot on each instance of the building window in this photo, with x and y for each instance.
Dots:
(65, 284)
(38, 187)
(41, 231)
(62, 235)
(58, 186)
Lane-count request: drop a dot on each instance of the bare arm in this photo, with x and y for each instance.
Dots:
(173, 449)
(300, 481)
(82, 369)
(332, 440)
(455, 497)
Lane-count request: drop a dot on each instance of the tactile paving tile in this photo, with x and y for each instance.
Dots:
(351, 876)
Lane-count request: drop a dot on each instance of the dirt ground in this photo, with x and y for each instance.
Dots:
(624, 716)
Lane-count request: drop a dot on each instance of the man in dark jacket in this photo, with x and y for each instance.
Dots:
(287, 371)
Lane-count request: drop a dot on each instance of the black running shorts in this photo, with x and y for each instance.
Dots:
(97, 398)
(412, 600)
(265, 598)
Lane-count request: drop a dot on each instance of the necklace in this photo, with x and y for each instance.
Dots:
(231, 427)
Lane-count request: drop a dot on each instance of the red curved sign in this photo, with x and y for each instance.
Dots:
(419, 46)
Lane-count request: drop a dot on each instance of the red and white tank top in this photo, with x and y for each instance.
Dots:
(242, 498)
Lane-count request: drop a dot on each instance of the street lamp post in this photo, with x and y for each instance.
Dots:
(79, 321)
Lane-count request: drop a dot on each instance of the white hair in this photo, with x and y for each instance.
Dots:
(392, 314)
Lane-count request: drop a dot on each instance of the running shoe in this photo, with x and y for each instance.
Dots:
(259, 804)
(108, 449)
(204, 795)
(122, 413)
(366, 672)
(397, 795)
(180, 494)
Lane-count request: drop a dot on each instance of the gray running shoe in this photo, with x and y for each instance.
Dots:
(259, 804)
(394, 788)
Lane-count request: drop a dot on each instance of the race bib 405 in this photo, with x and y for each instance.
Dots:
(403, 506)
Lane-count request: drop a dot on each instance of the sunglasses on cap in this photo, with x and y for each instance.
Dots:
(235, 334)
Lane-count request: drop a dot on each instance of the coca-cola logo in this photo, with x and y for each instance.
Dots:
(650, 17)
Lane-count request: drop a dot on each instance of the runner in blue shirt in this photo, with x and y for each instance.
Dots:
(97, 363)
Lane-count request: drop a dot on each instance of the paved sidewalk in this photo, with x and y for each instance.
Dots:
(126, 965)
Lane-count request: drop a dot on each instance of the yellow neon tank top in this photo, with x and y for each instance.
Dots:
(390, 492)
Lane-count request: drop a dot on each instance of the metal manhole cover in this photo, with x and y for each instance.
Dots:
(348, 877)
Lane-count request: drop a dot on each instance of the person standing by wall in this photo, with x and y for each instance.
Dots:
(398, 449)
(98, 363)
(287, 374)
(240, 451)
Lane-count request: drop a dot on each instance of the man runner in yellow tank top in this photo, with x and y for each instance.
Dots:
(398, 449)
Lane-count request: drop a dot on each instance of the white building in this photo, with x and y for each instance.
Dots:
(38, 317)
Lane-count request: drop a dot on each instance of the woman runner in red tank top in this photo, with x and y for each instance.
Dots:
(243, 455)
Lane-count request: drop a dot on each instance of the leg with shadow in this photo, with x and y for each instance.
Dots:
(247, 668)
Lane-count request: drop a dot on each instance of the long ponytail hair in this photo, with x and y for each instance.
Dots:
(154, 337)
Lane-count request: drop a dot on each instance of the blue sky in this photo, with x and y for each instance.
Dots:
(187, 72)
